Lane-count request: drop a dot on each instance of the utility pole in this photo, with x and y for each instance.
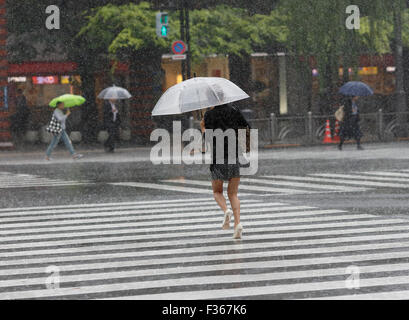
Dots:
(188, 56)
(400, 91)
(182, 34)
(185, 37)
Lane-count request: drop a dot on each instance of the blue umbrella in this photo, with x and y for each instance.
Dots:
(356, 89)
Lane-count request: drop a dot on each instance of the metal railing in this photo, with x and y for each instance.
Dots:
(309, 129)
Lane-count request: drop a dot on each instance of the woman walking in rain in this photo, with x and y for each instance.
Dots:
(226, 117)
(214, 93)
(61, 118)
(350, 127)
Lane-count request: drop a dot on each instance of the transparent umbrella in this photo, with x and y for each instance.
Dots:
(198, 93)
(115, 93)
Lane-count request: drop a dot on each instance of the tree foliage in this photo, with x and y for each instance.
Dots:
(122, 31)
(317, 28)
(221, 30)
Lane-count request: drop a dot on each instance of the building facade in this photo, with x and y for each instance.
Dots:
(5, 136)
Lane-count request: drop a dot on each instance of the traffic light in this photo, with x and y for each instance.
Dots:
(162, 24)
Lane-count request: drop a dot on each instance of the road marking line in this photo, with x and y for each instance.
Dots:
(123, 209)
(212, 237)
(225, 278)
(350, 182)
(304, 185)
(361, 177)
(167, 187)
(107, 205)
(251, 290)
(385, 173)
(244, 187)
(142, 214)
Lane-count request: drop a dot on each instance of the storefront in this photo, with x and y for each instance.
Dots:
(377, 71)
(211, 66)
(40, 83)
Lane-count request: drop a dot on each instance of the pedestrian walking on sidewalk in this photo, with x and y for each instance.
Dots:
(19, 120)
(58, 128)
(112, 121)
(350, 127)
(226, 117)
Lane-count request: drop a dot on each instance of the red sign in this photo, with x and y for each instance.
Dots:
(42, 68)
(45, 80)
(179, 47)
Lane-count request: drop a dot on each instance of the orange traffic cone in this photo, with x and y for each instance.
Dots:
(336, 137)
(327, 135)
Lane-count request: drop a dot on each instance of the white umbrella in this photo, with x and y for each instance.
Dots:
(198, 93)
(115, 93)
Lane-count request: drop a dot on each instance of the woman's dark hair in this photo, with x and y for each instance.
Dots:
(58, 103)
(223, 105)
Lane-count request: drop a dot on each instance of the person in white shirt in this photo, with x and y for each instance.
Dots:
(61, 117)
(112, 122)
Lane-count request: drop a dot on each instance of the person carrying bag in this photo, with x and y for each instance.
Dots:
(57, 128)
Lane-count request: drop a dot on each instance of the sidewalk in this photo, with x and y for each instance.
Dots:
(393, 150)
(92, 153)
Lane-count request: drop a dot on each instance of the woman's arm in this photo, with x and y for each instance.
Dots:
(60, 115)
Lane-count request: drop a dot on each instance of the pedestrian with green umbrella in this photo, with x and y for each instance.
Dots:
(57, 126)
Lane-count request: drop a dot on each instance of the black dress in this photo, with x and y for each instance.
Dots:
(225, 117)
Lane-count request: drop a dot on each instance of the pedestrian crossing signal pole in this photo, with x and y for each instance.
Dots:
(182, 35)
(184, 7)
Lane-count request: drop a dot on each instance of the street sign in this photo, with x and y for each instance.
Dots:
(179, 57)
(179, 47)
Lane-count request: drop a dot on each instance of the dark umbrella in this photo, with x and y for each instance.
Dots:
(356, 89)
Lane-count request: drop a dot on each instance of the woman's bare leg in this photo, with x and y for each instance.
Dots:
(217, 186)
(232, 191)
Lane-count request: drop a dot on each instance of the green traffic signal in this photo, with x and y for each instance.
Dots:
(162, 27)
(164, 31)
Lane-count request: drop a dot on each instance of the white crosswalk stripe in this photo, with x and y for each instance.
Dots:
(12, 180)
(368, 183)
(387, 174)
(360, 177)
(279, 184)
(176, 250)
(242, 187)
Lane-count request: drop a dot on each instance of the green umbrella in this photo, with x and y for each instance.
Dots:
(70, 100)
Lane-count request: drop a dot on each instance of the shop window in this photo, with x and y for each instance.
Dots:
(45, 80)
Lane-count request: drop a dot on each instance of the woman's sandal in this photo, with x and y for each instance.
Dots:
(237, 231)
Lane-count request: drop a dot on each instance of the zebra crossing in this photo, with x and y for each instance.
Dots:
(14, 180)
(277, 184)
(175, 249)
(280, 184)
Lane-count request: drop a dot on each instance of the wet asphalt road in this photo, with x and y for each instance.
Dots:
(130, 165)
(303, 227)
